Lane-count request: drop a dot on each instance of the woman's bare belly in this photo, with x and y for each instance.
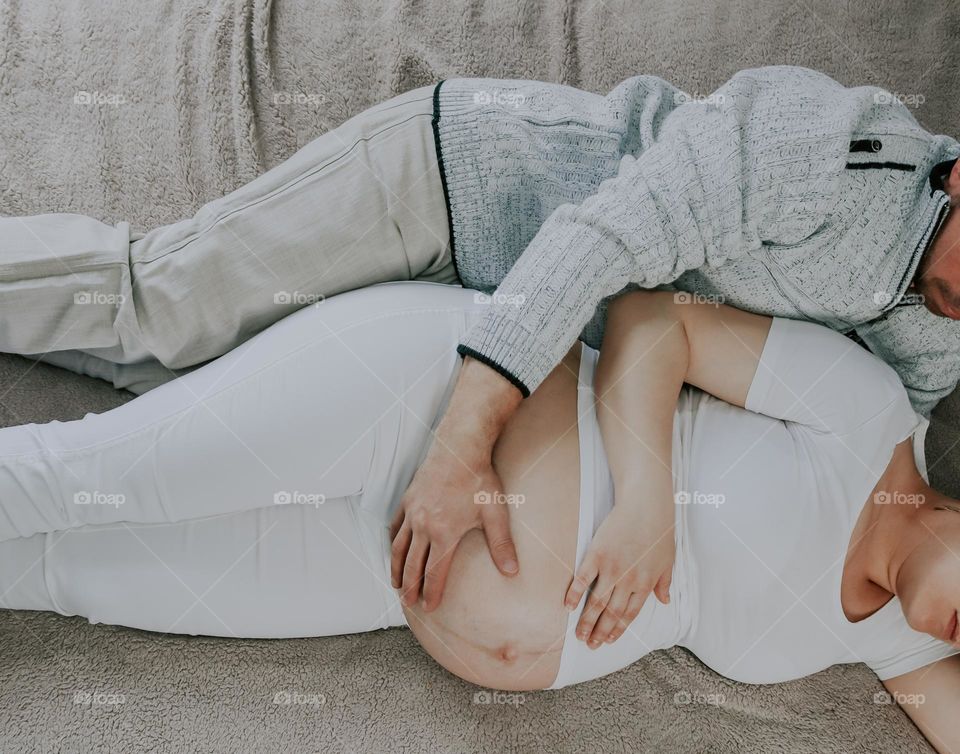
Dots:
(507, 633)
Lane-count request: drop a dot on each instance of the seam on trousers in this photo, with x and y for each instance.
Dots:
(275, 192)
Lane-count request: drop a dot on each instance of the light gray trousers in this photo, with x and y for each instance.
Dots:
(359, 205)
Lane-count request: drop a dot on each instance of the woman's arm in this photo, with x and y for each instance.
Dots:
(653, 343)
(930, 696)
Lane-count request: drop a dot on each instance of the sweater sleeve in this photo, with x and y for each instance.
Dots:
(758, 160)
(923, 349)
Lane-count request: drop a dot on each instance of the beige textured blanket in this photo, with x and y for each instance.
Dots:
(141, 111)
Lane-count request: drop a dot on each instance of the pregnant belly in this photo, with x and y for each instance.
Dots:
(507, 633)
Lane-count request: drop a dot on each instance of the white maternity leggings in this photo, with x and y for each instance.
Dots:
(251, 497)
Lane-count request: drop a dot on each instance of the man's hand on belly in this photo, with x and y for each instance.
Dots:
(455, 490)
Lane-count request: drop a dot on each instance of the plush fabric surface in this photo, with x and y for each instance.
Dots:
(190, 100)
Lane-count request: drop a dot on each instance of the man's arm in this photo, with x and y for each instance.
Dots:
(759, 161)
(923, 348)
(427, 527)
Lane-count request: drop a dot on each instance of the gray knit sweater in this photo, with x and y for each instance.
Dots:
(783, 192)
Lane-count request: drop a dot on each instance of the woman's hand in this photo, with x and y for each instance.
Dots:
(630, 556)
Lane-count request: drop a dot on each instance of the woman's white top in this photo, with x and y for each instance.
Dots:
(767, 497)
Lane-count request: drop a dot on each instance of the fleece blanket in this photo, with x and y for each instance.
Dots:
(143, 111)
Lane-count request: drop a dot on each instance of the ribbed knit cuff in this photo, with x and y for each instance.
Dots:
(546, 300)
(507, 348)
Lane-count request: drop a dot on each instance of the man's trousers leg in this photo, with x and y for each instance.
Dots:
(359, 205)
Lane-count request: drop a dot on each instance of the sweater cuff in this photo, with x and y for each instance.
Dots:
(506, 347)
(514, 380)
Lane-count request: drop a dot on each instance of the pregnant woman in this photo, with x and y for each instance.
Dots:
(226, 502)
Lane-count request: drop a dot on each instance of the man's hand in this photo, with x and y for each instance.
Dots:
(443, 500)
(630, 556)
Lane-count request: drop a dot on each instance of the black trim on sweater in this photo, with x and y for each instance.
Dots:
(878, 165)
(435, 123)
(514, 380)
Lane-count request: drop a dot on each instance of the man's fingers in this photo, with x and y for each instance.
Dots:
(398, 554)
(581, 582)
(413, 570)
(496, 529)
(397, 522)
(438, 567)
(634, 605)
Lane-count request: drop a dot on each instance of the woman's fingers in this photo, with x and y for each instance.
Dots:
(581, 582)
(662, 589)
(596, 603)
(634, 604)
(610, 617)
